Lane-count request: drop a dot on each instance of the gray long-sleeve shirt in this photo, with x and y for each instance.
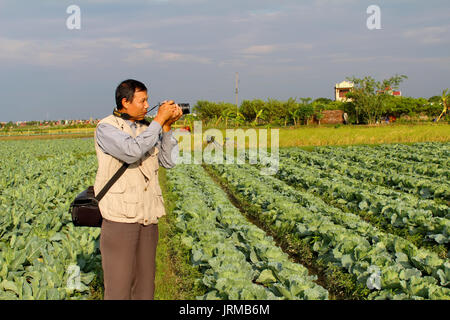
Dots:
(122, 146)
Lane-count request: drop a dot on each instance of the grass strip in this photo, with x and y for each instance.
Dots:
(176, 278)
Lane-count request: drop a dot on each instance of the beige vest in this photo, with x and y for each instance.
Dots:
(136, 196)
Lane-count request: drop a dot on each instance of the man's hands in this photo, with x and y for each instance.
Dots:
(168, 113)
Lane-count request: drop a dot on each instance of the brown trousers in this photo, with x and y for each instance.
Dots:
(128, 253)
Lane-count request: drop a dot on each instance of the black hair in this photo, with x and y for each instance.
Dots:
(126, 89)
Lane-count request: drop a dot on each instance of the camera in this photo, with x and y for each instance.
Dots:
(185, 108)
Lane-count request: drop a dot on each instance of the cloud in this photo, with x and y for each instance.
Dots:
(67, 53)
(153, 55)
(429, 35)
(343, 58)
(33, 52)
(262, 49)
(327, 3)
(266, 49)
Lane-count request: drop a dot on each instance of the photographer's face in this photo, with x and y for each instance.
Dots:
(138, 107)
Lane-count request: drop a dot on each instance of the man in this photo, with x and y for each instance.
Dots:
(132, 206)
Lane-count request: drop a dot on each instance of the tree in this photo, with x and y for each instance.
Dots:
(258, 109)
(247, 110)
(369, 96)
(318, 115)
(225, 115)
(445, 97)
(435, 99)
(288, 112)
(255, 122)
(213, 111)
(272, 110)
(232, 114)
(207, 110)
(294, 113)
(322, 101)
(252, 111)
(306, 110)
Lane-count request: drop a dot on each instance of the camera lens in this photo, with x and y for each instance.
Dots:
(185, 108)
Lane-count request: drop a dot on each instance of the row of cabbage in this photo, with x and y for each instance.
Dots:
(42, 255)
(425, 188)
(237, 259)
(390, 266)
(419, 216)
(425, 152)
(373, 160)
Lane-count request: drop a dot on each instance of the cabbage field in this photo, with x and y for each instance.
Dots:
(360, 222)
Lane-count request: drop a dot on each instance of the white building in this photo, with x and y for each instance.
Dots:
(340, 89)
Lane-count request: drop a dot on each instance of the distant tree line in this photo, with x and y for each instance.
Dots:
(369, 101)
(25, 125)
(295, 112)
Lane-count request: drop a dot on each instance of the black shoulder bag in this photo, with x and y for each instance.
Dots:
(84, 209)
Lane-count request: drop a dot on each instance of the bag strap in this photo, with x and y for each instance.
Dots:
(109, 184)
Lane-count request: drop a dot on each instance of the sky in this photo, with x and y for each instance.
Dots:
(190, 50)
